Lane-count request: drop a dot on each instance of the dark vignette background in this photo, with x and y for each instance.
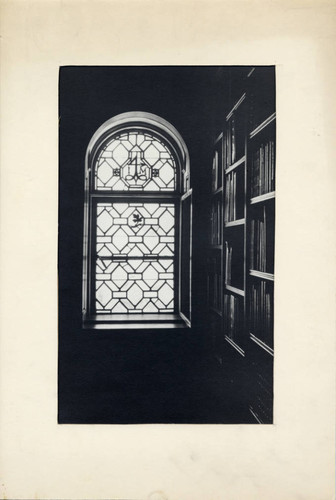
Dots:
(144, 376)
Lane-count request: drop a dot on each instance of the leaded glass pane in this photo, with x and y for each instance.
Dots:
(135, 229)
(135, 161)
(134, 286)
(135, 248)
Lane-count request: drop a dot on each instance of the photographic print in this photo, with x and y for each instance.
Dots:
(166, 244)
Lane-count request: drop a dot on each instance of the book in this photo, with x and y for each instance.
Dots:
(261, 311)
(263, 167)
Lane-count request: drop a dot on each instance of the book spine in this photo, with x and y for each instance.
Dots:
(266, 167)
(233, 141)
(234, 195)
(272, 166)
(262, 170)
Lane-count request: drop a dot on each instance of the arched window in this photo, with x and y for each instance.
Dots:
(137, 225)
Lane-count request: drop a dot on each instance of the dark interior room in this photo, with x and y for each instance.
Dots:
(217, 366)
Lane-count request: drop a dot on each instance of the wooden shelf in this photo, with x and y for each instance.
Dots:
(262, 344)
(220, 137)
(263, 125)
(236, 106)
(218, 191)
(241, 161)
(232, 223)
(262, 275)
(236, 346)
(262, 198)
(235, 290)
(255, 415)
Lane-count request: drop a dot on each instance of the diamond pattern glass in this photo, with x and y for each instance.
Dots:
(135, 161)
(135, 250)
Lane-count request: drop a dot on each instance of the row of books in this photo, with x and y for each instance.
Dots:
(233, 309)
(215, 292)
(234, 196)
(235, 140)
(262, 243)
(234, 263)
(262, 406)
(216, 222)
(261, 311)
(228, 263)
(215, 282)
(263, 169)
(217, 171)
(261, 396)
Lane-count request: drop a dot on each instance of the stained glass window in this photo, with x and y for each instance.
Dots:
(137, 168)
(135, 250)
(135, 161)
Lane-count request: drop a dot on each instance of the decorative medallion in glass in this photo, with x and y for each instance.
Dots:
(135, 161)
(135, 249)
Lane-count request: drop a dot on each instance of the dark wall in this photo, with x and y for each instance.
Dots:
(98, 369)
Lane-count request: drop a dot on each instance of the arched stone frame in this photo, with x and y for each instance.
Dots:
(161, 128)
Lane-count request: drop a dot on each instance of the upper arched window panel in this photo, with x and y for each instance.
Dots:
(135, 160)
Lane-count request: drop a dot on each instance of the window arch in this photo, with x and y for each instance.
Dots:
(137, 217)
(135, 160)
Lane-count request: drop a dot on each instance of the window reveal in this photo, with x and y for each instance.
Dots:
(136, 187)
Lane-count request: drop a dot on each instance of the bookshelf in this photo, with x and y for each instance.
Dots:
(215, 253)
(242, 234)
(234, 231)
(261, 151)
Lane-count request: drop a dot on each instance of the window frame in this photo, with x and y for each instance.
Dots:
(157, 126)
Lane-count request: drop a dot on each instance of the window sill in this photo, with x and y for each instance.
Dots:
(134, 322)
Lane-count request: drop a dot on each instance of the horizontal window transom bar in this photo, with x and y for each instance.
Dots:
(155, 197)
(123, 258)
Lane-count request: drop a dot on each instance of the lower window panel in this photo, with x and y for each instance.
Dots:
(135, 257)
(135, 286)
